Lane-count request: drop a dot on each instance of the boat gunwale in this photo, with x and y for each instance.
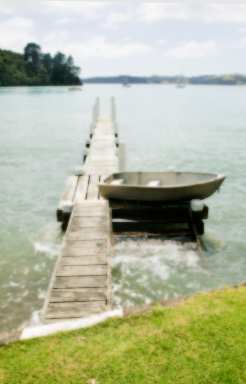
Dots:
(216, 177)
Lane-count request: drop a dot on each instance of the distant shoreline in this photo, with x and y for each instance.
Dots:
(114, 83)
(197, 84)
(231, 80)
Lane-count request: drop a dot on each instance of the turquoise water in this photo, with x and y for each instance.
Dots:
(42, 133)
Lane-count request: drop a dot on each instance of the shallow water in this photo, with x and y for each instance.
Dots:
(42, 132)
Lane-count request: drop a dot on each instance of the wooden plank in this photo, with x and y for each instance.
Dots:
(108, 156)
(81, 282)
(89, 204)
(78, 294)
(85, 270)
(71, 185)
(99, 164)
(122, 157)
(102, 170)
(88, 221)
(97, 212)
(93, 192)
(67, 196)
(151, 213)
(101, 179)
(84, 226)
(84, 248)
(74, 309)
(82, 188)
(87, 234)
(153, 227)
(89, 211)
(84, 260)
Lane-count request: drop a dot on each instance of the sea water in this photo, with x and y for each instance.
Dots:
(42, 134)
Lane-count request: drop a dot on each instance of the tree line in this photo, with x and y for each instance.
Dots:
(36, 68)
(233, 79)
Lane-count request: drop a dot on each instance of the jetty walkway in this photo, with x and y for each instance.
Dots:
(81, 281)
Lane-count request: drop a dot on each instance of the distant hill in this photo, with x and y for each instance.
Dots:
(36, 68)
(234, 79)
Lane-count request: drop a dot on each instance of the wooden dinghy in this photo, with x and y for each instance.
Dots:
(160, 186)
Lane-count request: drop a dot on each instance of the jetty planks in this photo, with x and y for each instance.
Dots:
(81, 281)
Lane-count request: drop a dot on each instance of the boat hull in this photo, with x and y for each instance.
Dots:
(174, 186)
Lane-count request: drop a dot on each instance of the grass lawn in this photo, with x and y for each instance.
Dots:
(202, 340)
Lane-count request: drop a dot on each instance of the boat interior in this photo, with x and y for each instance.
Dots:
(159, 179)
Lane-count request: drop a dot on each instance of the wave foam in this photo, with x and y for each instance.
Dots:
(47, 248)
(146, 270)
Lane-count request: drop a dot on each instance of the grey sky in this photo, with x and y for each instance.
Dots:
(119, 37)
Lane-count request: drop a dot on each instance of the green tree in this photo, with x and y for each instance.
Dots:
(32, 57)
(35, 68)
(64, 70)
(47, 62)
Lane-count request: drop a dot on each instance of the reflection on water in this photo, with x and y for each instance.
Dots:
(42, 134)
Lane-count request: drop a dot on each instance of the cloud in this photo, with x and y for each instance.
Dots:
(242, 41)
(86, 9)
(192, 50)
(5, 9)
(116, 19)
(102, 48)
(228, 12)
(206, 11)
(15, 32)
(64, 21)
(154, 12)
(96, 47)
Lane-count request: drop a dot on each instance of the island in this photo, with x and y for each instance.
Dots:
(226, 79)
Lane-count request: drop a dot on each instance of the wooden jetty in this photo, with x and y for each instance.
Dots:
(81, 282)
(172, 220)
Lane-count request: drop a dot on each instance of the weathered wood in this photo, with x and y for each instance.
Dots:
(97, 211)
(78, 295)
(83, 248)
(103, 227)
(84, 260)
(82, 188)
(149, 226)
(122, 156)
(67, 196)
(162, 213)
(85, 270)
(87, 234)
(88, 221)
(93, 191)
(102, 170)
(80, 282)
(74, 309)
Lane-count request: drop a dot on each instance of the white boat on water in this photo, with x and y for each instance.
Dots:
(181, 82)
(160, 186)
(75, 88)
(180, 85)
(126, 84)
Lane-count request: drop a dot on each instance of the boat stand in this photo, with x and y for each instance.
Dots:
(179, 220)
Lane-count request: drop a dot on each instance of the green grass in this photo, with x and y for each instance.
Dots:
(202, 340)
